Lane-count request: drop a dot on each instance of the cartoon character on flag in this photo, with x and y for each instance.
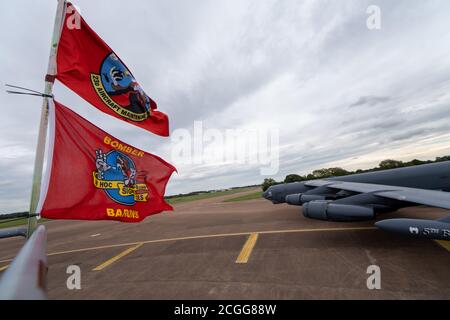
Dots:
(116, 174)
(118, 81)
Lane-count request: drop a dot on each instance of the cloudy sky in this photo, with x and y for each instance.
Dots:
(339, 93)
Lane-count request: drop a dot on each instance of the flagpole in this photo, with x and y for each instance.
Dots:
(40, 149)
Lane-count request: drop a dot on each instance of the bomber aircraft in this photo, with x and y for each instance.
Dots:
(364, 196)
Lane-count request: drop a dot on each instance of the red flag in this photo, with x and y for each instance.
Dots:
(89, 67)
(93, 176)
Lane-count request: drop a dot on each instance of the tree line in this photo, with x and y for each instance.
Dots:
(336, 172)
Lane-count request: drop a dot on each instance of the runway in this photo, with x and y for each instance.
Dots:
(210, 249)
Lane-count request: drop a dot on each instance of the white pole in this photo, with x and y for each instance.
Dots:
(40, 149)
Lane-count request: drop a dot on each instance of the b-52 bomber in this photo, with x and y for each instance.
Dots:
(364, 196)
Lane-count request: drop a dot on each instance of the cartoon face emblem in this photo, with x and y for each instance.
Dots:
(116, 175)
(118, 89)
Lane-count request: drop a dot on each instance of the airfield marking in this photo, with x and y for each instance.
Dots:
(119, 256)
(247, 248)
(444, 244)
(4, 268)
(206, 237)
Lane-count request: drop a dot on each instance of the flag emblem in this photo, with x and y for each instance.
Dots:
(116, 175)
(119, 90)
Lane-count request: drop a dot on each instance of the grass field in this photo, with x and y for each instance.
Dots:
(16, 223)
(202, 196)
(251, 196)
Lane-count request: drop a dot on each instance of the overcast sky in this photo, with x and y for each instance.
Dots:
(339, 93)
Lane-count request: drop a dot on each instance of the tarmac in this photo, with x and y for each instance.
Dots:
(210, 249)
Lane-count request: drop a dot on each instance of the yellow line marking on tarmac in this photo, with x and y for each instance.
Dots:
(206, 237)
(444, 244)
(4, 268)
(119, 256)
(247, 248)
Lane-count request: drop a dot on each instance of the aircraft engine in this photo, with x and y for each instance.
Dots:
(300, 198)
(312, 197)
(277, 194)
(320, 193)
(294, 199)
(327, 210)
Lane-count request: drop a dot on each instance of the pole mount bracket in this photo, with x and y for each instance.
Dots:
(50, 78)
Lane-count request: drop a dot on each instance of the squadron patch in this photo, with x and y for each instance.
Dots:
(116, 175)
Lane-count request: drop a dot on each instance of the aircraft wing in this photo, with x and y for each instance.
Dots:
(429, 229)
(432, 198)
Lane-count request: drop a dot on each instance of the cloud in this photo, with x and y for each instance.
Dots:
(410, 134)
(369, 101)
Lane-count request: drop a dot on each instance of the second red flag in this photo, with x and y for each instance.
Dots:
(94, 176)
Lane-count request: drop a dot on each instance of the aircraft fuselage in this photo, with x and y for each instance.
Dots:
(434, 176)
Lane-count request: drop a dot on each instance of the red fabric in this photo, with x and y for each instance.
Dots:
(72, 191)
(81, 54)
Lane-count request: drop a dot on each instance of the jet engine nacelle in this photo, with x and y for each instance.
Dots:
(311, 197)
(277, 194)
(327, 210)
(294, 199)
(300, 198)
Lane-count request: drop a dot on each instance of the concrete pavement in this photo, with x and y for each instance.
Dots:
(210, 249)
